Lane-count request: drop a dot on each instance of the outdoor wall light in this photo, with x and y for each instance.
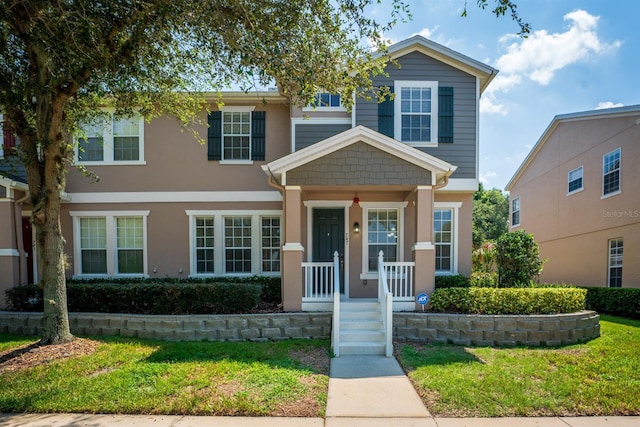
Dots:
(356, 227)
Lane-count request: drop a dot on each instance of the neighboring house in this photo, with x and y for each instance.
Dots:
(277, 190)
(577, 193)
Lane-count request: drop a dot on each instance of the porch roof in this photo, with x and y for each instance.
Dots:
(438, 168)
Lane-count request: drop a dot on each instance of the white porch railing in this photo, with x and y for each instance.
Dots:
(319, 278)
(335, 330)
(400, 280)
(386, 303)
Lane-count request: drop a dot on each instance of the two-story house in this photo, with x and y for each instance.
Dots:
(278, 190)
(577, 193)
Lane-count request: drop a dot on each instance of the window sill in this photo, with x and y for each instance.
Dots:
(575, 191)
(368, 276)
(515, 225)
(445, 273)
(236, 162)
(114, 163)
(614, 193)
(329, 109)
(109, 276)
(422, 144)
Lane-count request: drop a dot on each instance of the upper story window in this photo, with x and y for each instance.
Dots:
(236, 134)
(8, 139)
(326, 100)
(112, 141)
(515, 212)
(416, 112)
(611, 173)
(575, 180)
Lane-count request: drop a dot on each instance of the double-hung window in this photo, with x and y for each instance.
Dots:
(443, 239)
(615, 263)
(383, 232)
(575, 180)
(110, 243)
(236, 134)
(234, 242)
(416, 112)
(515, 212)
(112, 140)
(611, 173)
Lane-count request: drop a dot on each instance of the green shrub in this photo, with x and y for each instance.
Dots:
(452, 281)
(508, 300)
(146, 297)
(618, 301)
(483, 279)
(483, 259)
(518, 259)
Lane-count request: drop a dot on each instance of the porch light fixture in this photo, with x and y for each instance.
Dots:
(356, 227)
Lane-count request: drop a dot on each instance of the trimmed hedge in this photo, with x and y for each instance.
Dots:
(452, 281)
(145, 298)
(508, 300)
(618, 301)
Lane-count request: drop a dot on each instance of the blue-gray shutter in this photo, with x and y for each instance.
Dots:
(258, 120)
(445, 114)
(385, 116)
(214, 136)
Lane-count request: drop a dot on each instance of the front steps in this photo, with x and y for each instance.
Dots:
(361, 328)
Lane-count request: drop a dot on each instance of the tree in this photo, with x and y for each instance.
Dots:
(518, 259)
(60, 60)
(490, 215)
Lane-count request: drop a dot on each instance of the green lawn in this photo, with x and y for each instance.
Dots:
(601, 377)
(152, 377)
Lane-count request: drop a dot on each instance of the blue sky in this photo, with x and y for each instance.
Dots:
(581, 55)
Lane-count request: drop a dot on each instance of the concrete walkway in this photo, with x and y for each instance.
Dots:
(369, 391)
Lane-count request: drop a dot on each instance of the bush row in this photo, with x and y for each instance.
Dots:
(618, 301)
(151, 297)
(474, 300)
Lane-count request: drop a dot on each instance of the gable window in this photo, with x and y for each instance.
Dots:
(113, 141)
(615, 263)
(416, 112)
(110, 243)
(611, 173)
(234, 242)
(575, 180)
(236, 135)
(515, 212)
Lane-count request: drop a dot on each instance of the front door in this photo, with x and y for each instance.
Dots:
(328, 237)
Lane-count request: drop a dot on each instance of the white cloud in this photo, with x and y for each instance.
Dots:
(485, 177)
(608, 104)
(425, 32)
(542, 54)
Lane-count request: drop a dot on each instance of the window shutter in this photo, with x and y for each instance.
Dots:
(445, 114)
(258, 120)
(214, 136)
(385, 116)
(9, 139)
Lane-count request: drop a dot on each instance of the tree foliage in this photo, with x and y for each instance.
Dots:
(490, 215)
(518, 259)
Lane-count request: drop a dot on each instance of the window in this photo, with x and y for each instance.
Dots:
(325, 99)
(270, 243)
(443, 237)
(575, 180)
(236, 135)
(382, 235)
(112, 141)
(234, 242)
(515, 212)
(110, 243)
(416, 112)
(8, 140)
(204, 244)
(611, 173)
(615, 263)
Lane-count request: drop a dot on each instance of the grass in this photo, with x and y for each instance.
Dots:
(152, 377)
(600, 377)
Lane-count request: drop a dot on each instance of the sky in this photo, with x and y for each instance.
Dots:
(581, 55)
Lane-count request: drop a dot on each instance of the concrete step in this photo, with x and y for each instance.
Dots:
(361, 336)
(361, 348)
(361, 325)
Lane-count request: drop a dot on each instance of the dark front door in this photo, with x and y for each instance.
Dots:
(328, 237)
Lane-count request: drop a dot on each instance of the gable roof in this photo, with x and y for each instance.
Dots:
(279, 168)
(560, 118)
(417, 43)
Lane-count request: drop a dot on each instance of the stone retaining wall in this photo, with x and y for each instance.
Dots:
(504, 330)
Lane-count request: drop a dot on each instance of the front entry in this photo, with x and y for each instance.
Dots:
(328, 237)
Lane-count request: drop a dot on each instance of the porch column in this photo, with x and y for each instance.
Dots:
(9, 250)
(424, 250)
(292, 250)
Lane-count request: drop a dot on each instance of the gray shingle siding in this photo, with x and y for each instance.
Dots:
(310, 133)
(416, 66)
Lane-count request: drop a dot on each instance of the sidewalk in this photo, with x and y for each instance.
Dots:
(369, 391)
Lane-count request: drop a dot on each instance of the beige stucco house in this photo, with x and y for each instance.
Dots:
(281, 190)
(577, 193)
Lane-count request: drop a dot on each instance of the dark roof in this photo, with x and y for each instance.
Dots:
(12, 169)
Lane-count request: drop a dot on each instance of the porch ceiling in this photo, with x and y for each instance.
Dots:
(359, 156)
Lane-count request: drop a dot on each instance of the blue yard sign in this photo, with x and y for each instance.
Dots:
(422, 299)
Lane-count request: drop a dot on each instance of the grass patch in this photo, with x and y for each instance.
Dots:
(601, 377)
(286, 378)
